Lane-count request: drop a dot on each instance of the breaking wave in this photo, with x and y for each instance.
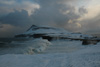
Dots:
(25, 47)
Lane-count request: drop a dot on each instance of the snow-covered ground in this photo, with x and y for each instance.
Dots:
(59, 53)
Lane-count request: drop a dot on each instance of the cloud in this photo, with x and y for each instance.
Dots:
(56, 13)
(8, 30)
(14, 23)
(1, 26)
(9, 6)
(91, 25)
(90, 20)
(83, 10)
(73, 15)
(10, 2)
(17, 18)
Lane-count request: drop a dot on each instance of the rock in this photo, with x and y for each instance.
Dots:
(87, 42)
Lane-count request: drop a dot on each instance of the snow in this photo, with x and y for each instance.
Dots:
(75, 55)
(56, 53)
(55, 32)
(79, 35)
(46, 31)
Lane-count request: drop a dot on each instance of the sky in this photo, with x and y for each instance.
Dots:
(16, 16)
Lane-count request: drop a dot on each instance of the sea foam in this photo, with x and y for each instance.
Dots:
(25, 47)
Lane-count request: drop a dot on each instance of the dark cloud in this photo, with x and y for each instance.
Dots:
(1, 26)
(9, 31)
(82, 11)
(14, 23)
(17, 18)
(53, 12)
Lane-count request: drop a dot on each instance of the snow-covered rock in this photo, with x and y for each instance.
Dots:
(79, 35)
(45, 30)
(50, 33)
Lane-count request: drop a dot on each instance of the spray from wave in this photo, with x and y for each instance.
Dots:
(25, 47)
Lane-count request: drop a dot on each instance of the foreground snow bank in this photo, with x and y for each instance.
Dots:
(25, 47)
(88, 57)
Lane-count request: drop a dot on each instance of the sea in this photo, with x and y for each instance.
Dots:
(22, 45)
(36, 46)
(12, 45)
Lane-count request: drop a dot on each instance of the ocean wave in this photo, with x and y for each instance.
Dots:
(25, 47)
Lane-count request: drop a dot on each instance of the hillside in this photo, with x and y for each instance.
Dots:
(40, 31)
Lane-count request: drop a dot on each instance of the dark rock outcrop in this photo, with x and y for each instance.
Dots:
(87, 42)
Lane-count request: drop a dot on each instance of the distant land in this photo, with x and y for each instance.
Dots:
(98, 35)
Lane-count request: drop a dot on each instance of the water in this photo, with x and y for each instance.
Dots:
(14, 39)
(5, 42)
(22, 46)
(37, 46)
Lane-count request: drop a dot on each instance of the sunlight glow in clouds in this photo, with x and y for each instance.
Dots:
(92, 8)
(90, 20)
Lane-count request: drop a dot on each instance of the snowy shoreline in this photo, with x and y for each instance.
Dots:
(60, 54)
(83, 58)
